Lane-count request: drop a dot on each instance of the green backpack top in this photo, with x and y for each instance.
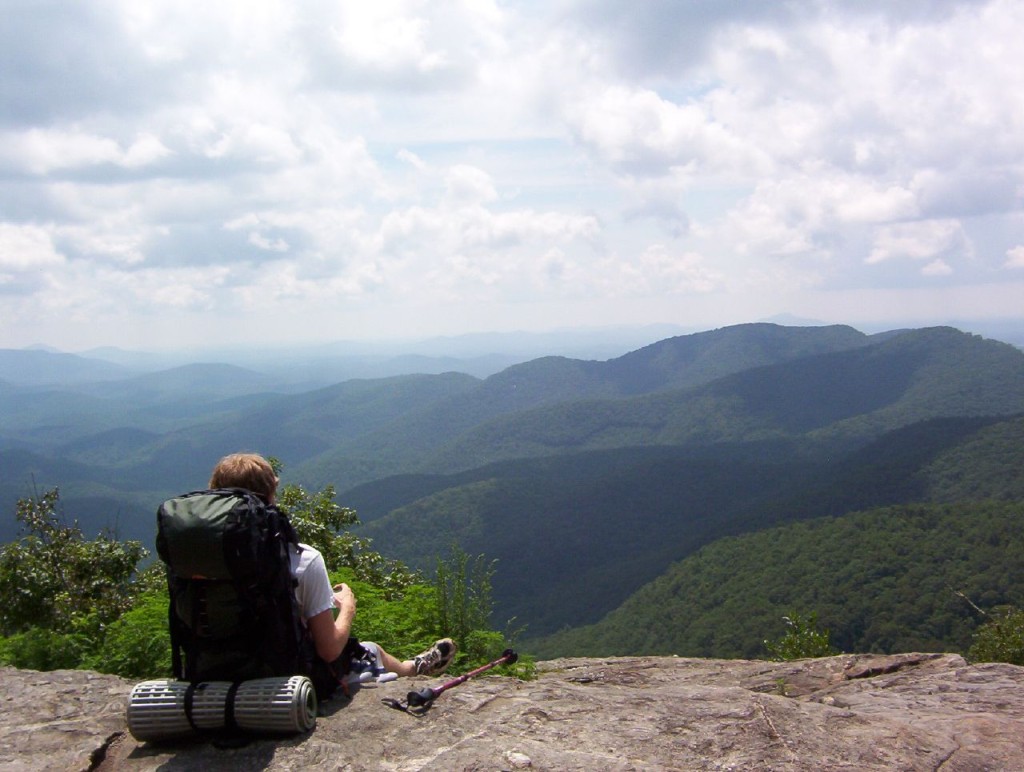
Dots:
(233, 614)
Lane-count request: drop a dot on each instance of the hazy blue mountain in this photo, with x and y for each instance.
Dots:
(693, 360)
(307, 367)
(97, 449)
(584, 478)
(48, 417)
(845, 397)
(91, 495)
(43, 418)
(38, 368)
(575, 535)
(190, 381)
(460, 432)
(577, 343)
(291, 427)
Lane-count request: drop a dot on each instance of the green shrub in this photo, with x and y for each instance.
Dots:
(1001, 639)
(41, 649)
(53, 578)
(457, 606)
(463, 588)
(403, 625)
(138, 644)
(803, 640)
(321, 523)
(483, 646)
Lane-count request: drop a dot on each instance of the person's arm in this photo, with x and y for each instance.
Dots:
(329, 634)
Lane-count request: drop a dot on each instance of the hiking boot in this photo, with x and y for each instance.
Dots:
(435, 659)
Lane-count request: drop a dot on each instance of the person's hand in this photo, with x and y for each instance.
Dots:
(343, 596)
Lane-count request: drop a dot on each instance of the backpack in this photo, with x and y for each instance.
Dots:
(233, 613)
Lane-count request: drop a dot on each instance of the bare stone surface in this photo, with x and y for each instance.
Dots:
(851, 712)
(58, 720)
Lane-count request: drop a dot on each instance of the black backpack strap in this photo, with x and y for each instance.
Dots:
(175, 631)
(280, 522)
(192, 651)
(190, 694)
(229, 707)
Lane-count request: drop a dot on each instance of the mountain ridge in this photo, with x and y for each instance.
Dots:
(583, 489)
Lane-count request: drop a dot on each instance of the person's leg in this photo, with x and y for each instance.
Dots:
(392, 664)
(431, 662)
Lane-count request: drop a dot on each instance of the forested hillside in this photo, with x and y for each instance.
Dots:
(844, 398)
(116, 444)
(575, 535)
(111, 468)
(887, 580)
(568, 396)
(584, 480)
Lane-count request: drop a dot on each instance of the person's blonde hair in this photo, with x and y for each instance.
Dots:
(245, 470)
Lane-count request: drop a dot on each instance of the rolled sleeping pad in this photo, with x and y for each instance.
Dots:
(167, 709)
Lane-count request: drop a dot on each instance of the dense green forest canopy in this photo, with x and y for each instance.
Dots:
(584, 480)
(887, 580)
(575, 535)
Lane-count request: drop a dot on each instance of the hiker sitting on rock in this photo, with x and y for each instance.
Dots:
(316, 598)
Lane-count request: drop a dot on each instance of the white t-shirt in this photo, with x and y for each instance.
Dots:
(314, 591)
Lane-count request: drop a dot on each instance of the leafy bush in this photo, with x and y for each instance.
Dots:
(403, 625)
(464, 601)
(53, 578)
(1001, 639)
(802, 640)
(138, 645)
(321, 522)
(39, 648)
(483, 646)
(457, 605)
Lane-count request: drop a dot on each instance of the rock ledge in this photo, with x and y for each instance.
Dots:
(850, 712)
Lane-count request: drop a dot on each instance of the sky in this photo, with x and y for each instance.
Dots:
(177, 174)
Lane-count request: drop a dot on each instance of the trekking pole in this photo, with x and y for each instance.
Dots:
(425, 697)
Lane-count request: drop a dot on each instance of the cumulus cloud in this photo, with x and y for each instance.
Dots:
(681, 273)
(43, 151)
(916, 241)
(639, 132)
(468, 185)
(26, 248)
(284, 155)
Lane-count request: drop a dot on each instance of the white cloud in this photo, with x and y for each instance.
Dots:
(383, 35)
(474, 154)
(174, 289)
(268, 244)
(917, 241)
(468, 185)
(639, 132)
(27, 248)
(116, 241)
(666, 271)
(412, 159)
(937, 268)
(42, 151)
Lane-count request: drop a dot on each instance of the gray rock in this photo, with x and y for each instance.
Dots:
(851, 712)
(62, 720)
